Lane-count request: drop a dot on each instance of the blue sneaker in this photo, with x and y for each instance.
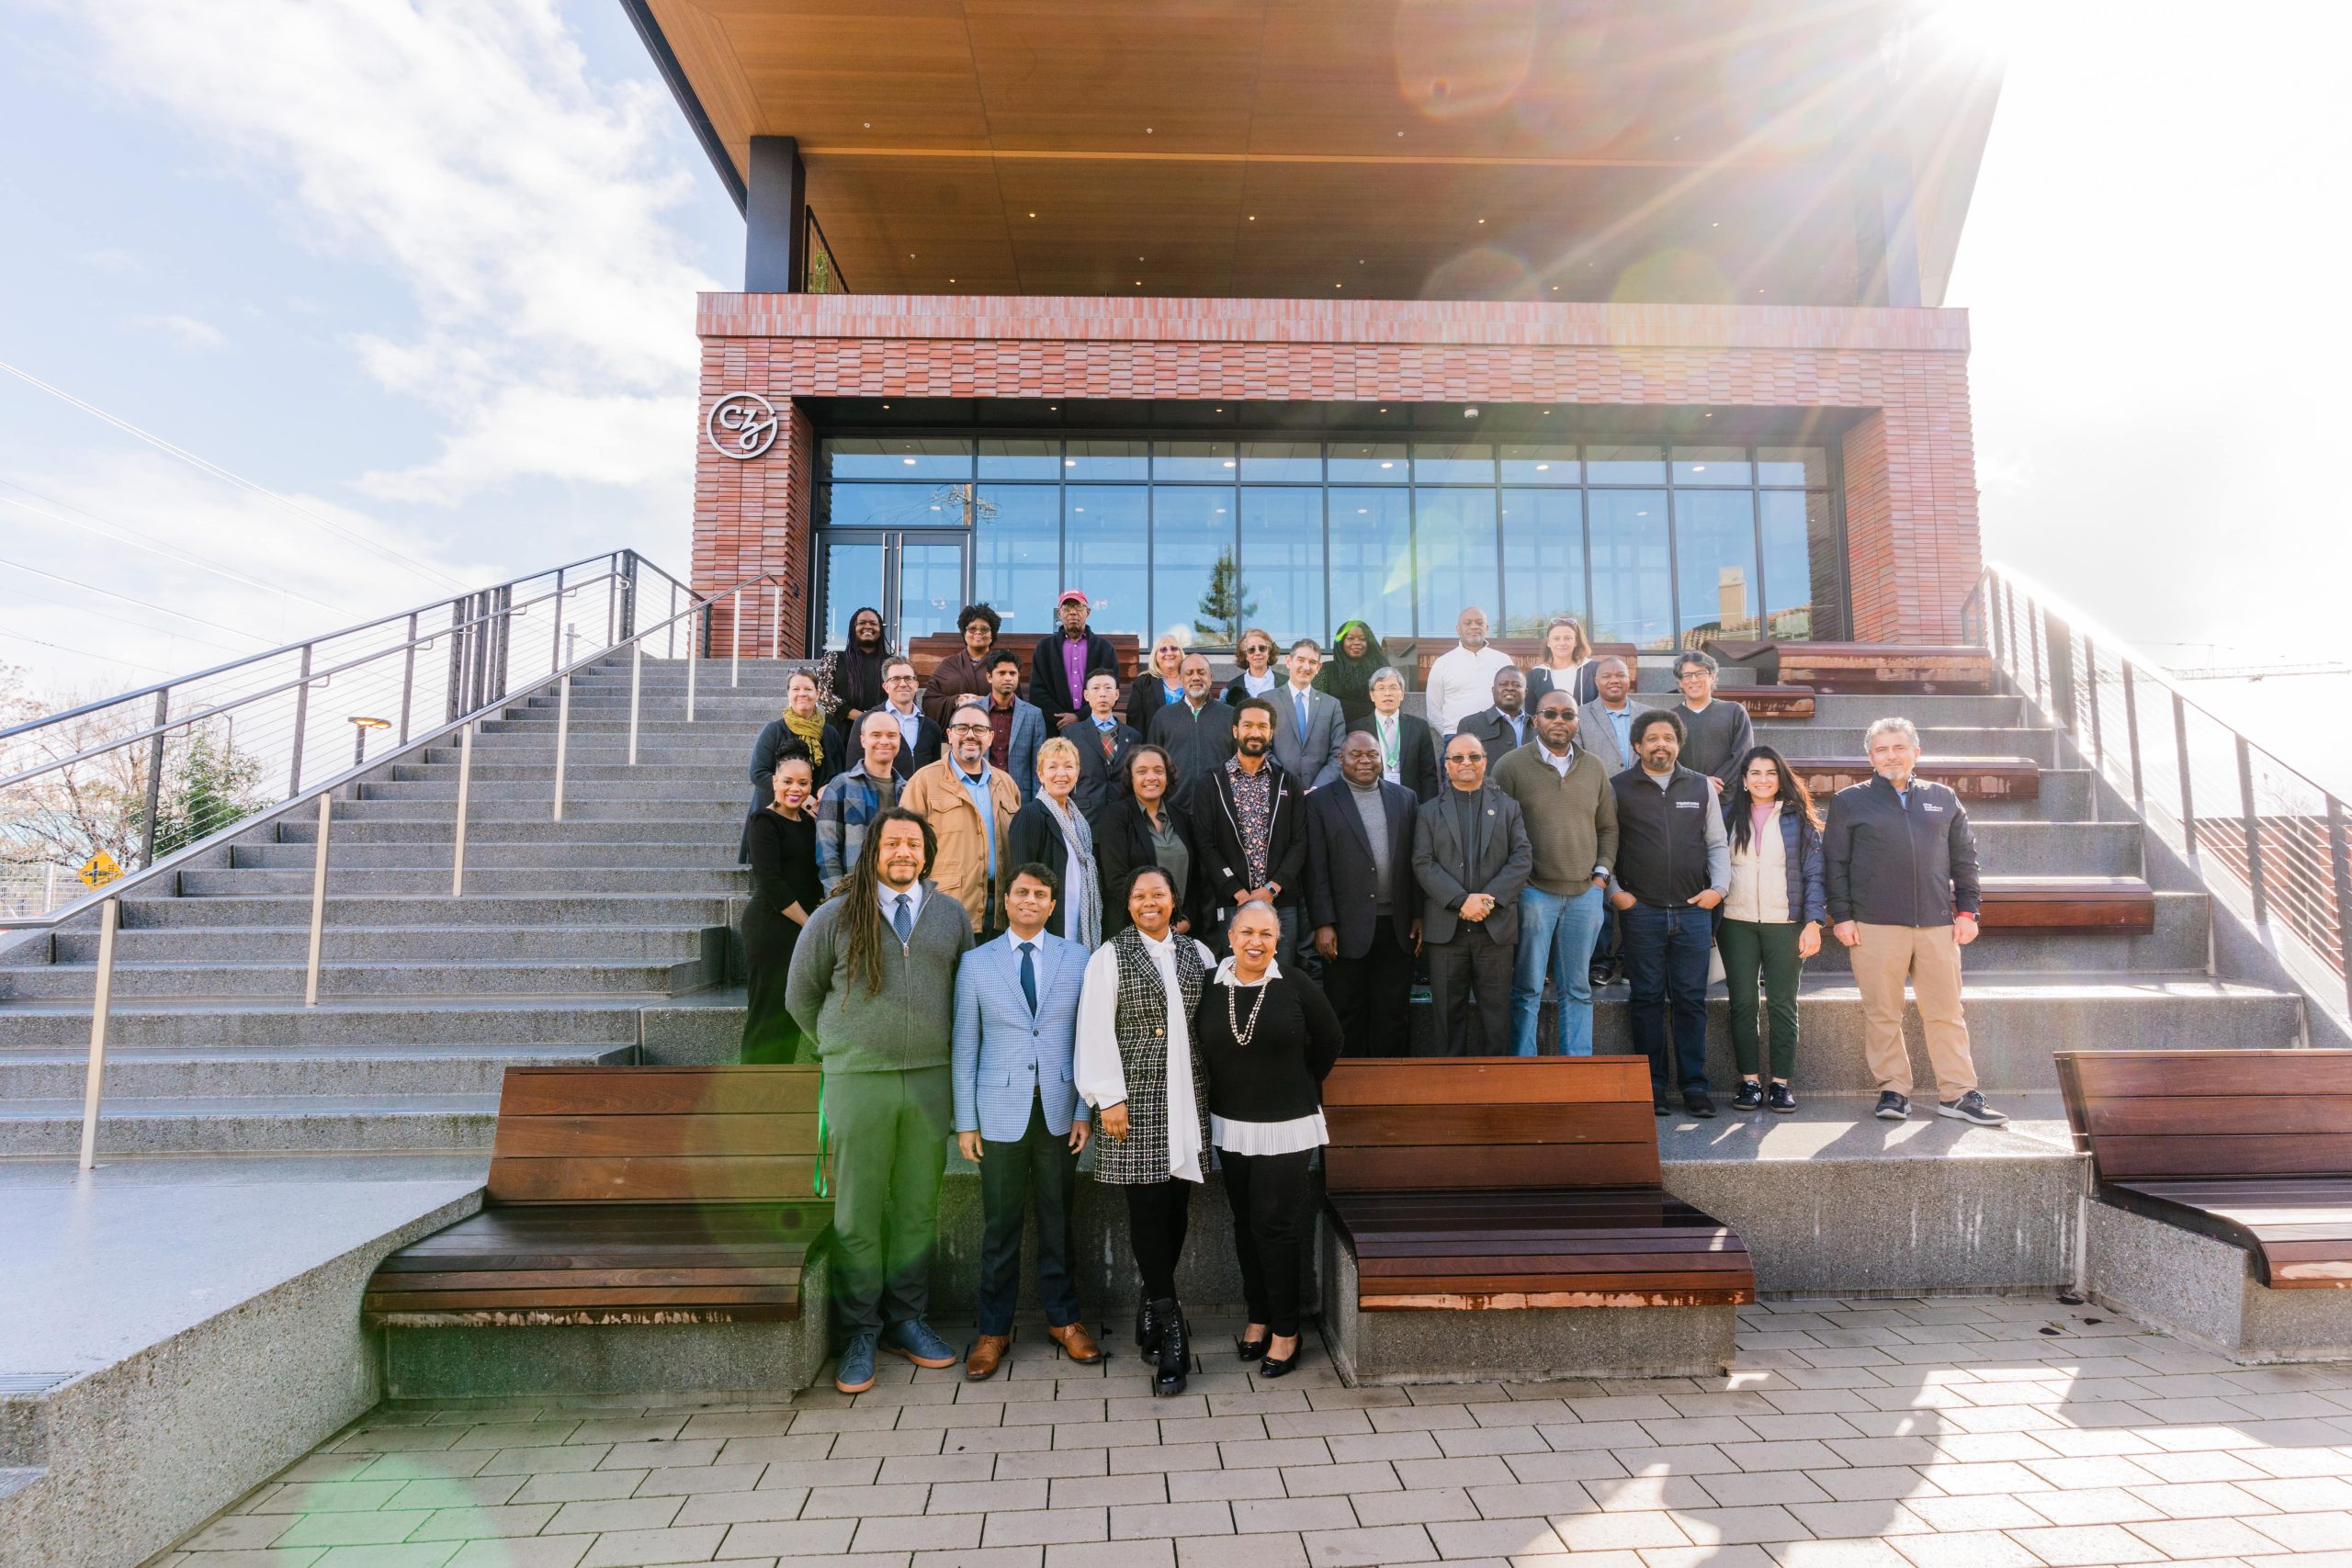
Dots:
(855, 1372)
(915, 1341)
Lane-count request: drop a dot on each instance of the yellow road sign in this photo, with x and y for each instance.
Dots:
(99, 870)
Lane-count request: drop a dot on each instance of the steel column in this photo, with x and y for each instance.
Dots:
(318, 900)
(465, 783)
(636, 689)
(2187, 795)
(102, 1003)
(301, 719)
(154, 779)
(2131, 729)
(562, 739)
(2340, 858)
(2253, 832)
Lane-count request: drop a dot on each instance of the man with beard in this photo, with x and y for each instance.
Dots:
(1197, 732)
(1248, 820)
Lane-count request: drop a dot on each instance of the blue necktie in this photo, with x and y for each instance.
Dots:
(1029, 976)
(903, 921)
(1298, 705)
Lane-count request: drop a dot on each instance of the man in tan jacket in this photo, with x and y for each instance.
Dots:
(969, 807)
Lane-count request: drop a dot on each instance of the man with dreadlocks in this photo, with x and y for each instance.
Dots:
(875, 969)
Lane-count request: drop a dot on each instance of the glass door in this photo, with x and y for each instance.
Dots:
(918, 582)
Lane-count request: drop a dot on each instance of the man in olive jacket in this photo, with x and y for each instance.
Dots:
(1563, 792)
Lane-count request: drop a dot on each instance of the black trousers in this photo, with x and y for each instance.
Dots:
(1158, 1212)
(1373, 995)
(1472, 963)
(1268, 1197)
(1038, 1164)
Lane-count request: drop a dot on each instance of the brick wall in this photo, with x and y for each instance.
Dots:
(1910, 468)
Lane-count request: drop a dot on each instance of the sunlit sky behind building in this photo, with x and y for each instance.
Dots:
(428, 271)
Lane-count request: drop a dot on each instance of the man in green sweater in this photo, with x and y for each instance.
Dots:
(875, 970)
(1571, 813)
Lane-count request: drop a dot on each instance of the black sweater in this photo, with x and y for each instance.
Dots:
(1278, 1076)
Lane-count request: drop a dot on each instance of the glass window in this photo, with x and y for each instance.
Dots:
(1537, 464)
(1632, 595)
(1714, 559)
(1793, 466)
(1193, 460)
(1282, 561)
(1624, 465)
(1543, 560)
(1098, 459)
(1450, 462)
(1105, 544)
(1712, 466)
(1455, 562)
(1262, 460)
(1195, 572)
(931, 587)
(853, 582)
(899, 506)
(1372, 558)
(1020, 459)
(899, 458)
(1369, 462)
(1801, 560)
(1016, 552)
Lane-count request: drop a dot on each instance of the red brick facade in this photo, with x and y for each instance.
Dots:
(1910, 495)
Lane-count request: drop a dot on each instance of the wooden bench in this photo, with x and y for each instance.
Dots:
(1481, 1206)
(644, 1229)
(2224, 1193)
(1877, 666)
(927, 652)
(1769, 702)
(1971, 778)
(2124, 904)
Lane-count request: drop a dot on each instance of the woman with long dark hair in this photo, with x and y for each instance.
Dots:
(1567, 664)
(1347, 673)
(1140, 828)
(849, 679)
(780, 841)
(1770, 922)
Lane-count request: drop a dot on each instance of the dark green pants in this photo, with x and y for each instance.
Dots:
(890, 1136)
(1749, 947)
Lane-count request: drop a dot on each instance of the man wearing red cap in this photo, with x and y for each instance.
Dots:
(1058, 674)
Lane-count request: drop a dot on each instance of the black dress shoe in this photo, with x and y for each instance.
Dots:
(1250, 1350)
(1781, 1100)
(1751, 1096)
(1698, 1102)
(1270, 1368)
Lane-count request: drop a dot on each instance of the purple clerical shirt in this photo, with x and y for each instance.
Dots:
(1074, 667)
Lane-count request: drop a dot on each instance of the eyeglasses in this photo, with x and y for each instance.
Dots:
(1463, 762)
(967, 728)
(901, 679)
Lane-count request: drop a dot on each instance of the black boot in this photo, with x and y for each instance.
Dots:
(1175, 1348)
(1147, 1328)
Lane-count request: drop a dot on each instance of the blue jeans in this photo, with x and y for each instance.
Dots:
(1555, 934)
(1665, 953)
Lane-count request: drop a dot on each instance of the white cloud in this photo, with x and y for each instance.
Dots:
(186, 331)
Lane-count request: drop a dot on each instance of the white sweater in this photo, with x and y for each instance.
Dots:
(1460, 684)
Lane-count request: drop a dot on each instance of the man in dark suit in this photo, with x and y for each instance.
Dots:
(1103, 745)
(1058, 670)
(1472, 856)
(1196, 732)
(920, 740)
(1362, 898)
(1307, 722)
(1408, 744)
(1503, 727)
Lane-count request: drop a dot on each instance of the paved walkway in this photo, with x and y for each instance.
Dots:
(1954, 1433)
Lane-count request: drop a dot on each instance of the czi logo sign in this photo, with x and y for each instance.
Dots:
(741, 425)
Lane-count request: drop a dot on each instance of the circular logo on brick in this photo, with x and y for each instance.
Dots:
(741, 425)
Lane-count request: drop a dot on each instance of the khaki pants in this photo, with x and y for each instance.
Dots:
(1929, 957)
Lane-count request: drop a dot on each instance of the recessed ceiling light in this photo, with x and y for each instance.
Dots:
(1698, 468)
(1228, 463)
(1469, 413)
(908, 461)
(1032, 215)
(1147, 131)
(1482, 220)
(869, 125)
(1362, 510)
(1387, 464)
(1069, 462)
(1543, 467)
(1253, 218)
(1339, 286)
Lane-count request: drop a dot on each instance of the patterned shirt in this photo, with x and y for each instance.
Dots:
(1253, 813)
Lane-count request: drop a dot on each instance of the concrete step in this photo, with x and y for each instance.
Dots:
(2178, 944)
(439, 804)
(2059, 848)
(256, 882)
(373, 979)
(1846, 710)
(347, 912)
(2067, 797)
(686, 788)
(485, 832)
(388, 1024)
(255, 1125)
(651, 726)
(410, 944)
(694, 750)
(581, 776)
(350, 1072)
(704, 853)
(1816, 739)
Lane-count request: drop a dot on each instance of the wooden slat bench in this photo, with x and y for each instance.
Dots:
(1481, 1206)
(1881, 667)
(1769, 702)
(2124, 904)
(2224, 1193)
(1971, 778)
(643, 1228)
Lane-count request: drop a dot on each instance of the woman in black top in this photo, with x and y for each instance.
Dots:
(849, 680)
(1268, 1040)
(1139, 829)
(1347, 674)
(786, 890)
(1052, 831)
(802, 724)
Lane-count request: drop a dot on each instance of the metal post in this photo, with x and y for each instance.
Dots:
(302, 717)
(2188, 796)
(2034, 643)
(2341, 860)
(49, 889)
(93, 1082)
(562, 738)
(2090, 669)
(636, 686)
(670, 648)
(735, 623)
(2060, 636)
(1995, 622)
(776, 620)
(612, 596)
(154, 779)
(691, 662)
(465, 785)
(318, 901)
(2253, 831)
(2131, 728)
(408, 677)
(555, 634)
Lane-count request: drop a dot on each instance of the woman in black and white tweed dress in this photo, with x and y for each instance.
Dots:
(1138, 1067)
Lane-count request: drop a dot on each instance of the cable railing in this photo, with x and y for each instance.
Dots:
(2267, 841)
(147, 782)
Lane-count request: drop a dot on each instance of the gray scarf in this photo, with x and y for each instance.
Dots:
(1084, 923)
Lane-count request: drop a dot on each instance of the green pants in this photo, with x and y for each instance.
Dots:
(890, 1136)
(1749, 946)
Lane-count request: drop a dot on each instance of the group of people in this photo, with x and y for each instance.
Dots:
(1027, 908)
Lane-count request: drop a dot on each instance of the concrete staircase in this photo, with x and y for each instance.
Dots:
(566, 931)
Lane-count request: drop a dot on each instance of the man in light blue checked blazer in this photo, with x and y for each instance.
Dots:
(1018, 1114)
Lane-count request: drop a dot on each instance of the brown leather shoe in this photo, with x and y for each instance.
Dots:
(1076, 1343)
(986, 1352)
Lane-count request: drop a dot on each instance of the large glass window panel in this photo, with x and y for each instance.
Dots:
(897, 506)
(1097, 458)
(1369, 462)
(1543, 560)
(1371, 534)
(1296, 460)
(1541, 463)
(1105, 546)
(1793, 466)
(1016, 553)
(1633, 594)
(1195, 571)
(1455, 562)
(1023, 457)
(1453, 462)
(1282, 561)
(1714, 559)
(1800, 565)
(853, 582)
(899, 458)
(1192, 460)
(931, 587)
(1712, 466)
(1624, 465)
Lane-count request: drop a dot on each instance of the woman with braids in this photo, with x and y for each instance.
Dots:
(874, 978)
(800, 730)
(1770, 921)
(1138, 1065)
(786, 890)
(1347, 674)
(849, 680)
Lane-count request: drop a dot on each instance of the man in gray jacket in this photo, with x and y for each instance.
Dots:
(875, 970)
(1307, 722)
(1471, 857)
(1605, 725)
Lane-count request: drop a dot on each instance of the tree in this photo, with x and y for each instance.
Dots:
(1225, 608)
